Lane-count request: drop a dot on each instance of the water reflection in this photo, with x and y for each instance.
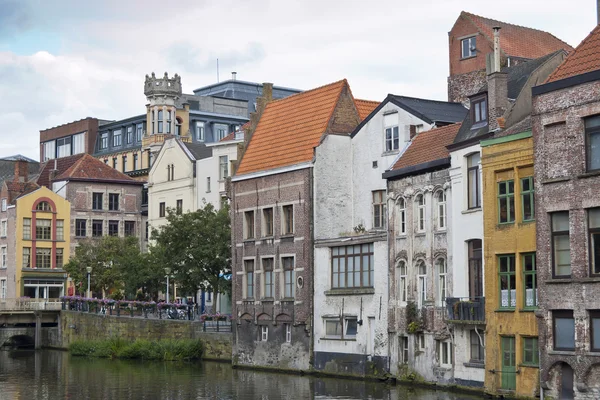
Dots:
(55, 375)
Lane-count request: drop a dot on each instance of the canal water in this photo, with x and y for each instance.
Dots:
(52, 374)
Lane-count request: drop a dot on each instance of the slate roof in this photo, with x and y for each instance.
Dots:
(427, 146)
(585, 58)
(7, 167)
(431, 111)
(198, 150)
(365, 107)
(290, 128)
(518, 41)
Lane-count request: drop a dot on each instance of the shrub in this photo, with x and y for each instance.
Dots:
(166, 350)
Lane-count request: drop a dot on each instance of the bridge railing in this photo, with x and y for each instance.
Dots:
(28, 304)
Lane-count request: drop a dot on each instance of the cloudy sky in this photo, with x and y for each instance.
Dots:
(64, 60)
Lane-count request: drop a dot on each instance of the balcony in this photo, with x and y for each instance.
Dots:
(466, 310)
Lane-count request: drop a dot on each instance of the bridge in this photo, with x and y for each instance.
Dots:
(25, 321)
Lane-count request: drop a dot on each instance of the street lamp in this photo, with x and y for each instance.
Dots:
(168, 272)
(89, 272)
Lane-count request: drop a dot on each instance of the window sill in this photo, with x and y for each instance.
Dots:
(390, 153)
(530, 365)
(558, 280)
(288, 300)
(471, 210)
(473, 364)
(589, 174)
(503, 225)
(555, 180)
(528, 309)
(267, 299)
(505, 310)
(339, 339)
(287, 235)
(249, 241)
(467, 58)
(561, 353)
(349, 291)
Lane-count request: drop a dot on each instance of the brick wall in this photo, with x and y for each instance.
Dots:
(89, 125)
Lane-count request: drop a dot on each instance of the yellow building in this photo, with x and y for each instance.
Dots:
(511, 342)
(42, 221)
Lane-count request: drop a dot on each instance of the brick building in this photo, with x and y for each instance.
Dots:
(566, 121)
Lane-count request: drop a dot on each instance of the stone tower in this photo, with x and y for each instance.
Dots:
(162, 95)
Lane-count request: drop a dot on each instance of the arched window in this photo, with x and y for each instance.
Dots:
(421, 283)
(43, 206)
(420, 212)
(402, 277)
(442, 270)
(401, 217)
(160, 121)
(440, 197)
(178, 122)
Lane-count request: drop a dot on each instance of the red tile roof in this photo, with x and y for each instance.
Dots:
(585, 58)
(428, 146)
(18, 189)
(58, 164)
(290, 128)
(365, 107)
(519, 41)
(90, 168)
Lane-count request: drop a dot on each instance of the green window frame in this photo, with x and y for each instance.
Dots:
(530, 352)
(528, 199)
(506, 202)
(530, 282)
(507, 282)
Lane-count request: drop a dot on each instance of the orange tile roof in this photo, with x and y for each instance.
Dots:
(231, 135)
(365, 107)
(585, 58)
(428, 146)
(90, 168)
(290, 128)
(519, 41)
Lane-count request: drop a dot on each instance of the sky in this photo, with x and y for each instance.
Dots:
(64, 60)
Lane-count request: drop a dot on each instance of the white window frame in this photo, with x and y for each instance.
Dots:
(442, 270)
(208, 184)
(440, 197)
(421, 342)
(402, 281)
(346, 323)
(139, 132)
(3, 288)
(264, 222)
(391, 124)
(263, 280)
(404, 349)
(421, 283)
(420, 213)
(401, 216)
(337, 321)
(283, 220)
(293, 276)
(223, 167)
(444, 349)
(220, 131)
(472, 47)
(264, 333)
(4, 204)
(381, 207)
(3, 228)
(3, 256)
(200, 135)
(117, 138)
(288, 332)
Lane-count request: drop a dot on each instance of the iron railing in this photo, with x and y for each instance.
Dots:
(466, 310)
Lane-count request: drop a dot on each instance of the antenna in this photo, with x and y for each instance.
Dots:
(217, 70)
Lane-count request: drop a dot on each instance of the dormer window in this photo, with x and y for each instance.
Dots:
(479, 111)
(392, 134)
(469, 47)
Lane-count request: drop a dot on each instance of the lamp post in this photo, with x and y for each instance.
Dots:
(89, 273)
(168, 272)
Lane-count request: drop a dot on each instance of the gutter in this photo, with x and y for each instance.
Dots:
(417, 169)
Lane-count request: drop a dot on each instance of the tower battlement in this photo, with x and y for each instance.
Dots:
(164, 86)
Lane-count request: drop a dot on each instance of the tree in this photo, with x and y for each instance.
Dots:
(196, 246)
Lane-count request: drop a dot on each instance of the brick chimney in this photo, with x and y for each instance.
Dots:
(497, 86)
(21, 171)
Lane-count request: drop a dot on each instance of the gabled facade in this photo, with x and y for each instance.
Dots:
(566, 117)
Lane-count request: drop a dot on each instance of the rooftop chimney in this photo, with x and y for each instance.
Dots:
(234, 74)
(21, 171)
(497, 87)
(497, 48)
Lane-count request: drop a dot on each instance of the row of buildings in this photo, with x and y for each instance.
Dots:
(449, 242)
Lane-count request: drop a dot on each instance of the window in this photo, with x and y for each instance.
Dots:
(63, 147)
(595, 330)
(392, 138)
(3, 228)
(129, 228)
(560, 245)
(289, 282)
(442, 282)
(208, 184)
(269, 283)
(43, 258)
(333, 328)
(135, 162)
(78, 143)
(129, 135)
(421, 341)
(153, 130)
(249, 270)
(444, 353)
(97, 228)
(594, 230)
(401, 227)
(3, 256)
(161, 209)
(26, 257)
(43, 229)
(420, 212)
(169, 121)
(96, 201)
(2, 288)
(528, 198)
(124, 163)
(178, 122)
(160, 121)
(27, 228)
(139, 128)
(341, 328)
(59, 258)
(114, 162)
(506, 202)
(80, 228)
(267, 214)
(249, 225)
(592, 142)
(564, 330)
(441, 209)
(421, 283)
(223, 167)
(288, 333)
(379, 214)
(508, 281)
(530, 351)
(113, 228)
(60, 229)
(113, 201)
(351, 327)
(116, 138)
(200, 131)
(468, 47)
(3, 204)
(479, 111)
(287, 220)
(104, 140)
(403, 349)
(179, 206)
(477, 347)
(43, 206)
(264, 330)
(530, 280)
(474, 198)
(352, 266)
(475, 269)
(49, 150)
(402, 277)
(220, 132)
